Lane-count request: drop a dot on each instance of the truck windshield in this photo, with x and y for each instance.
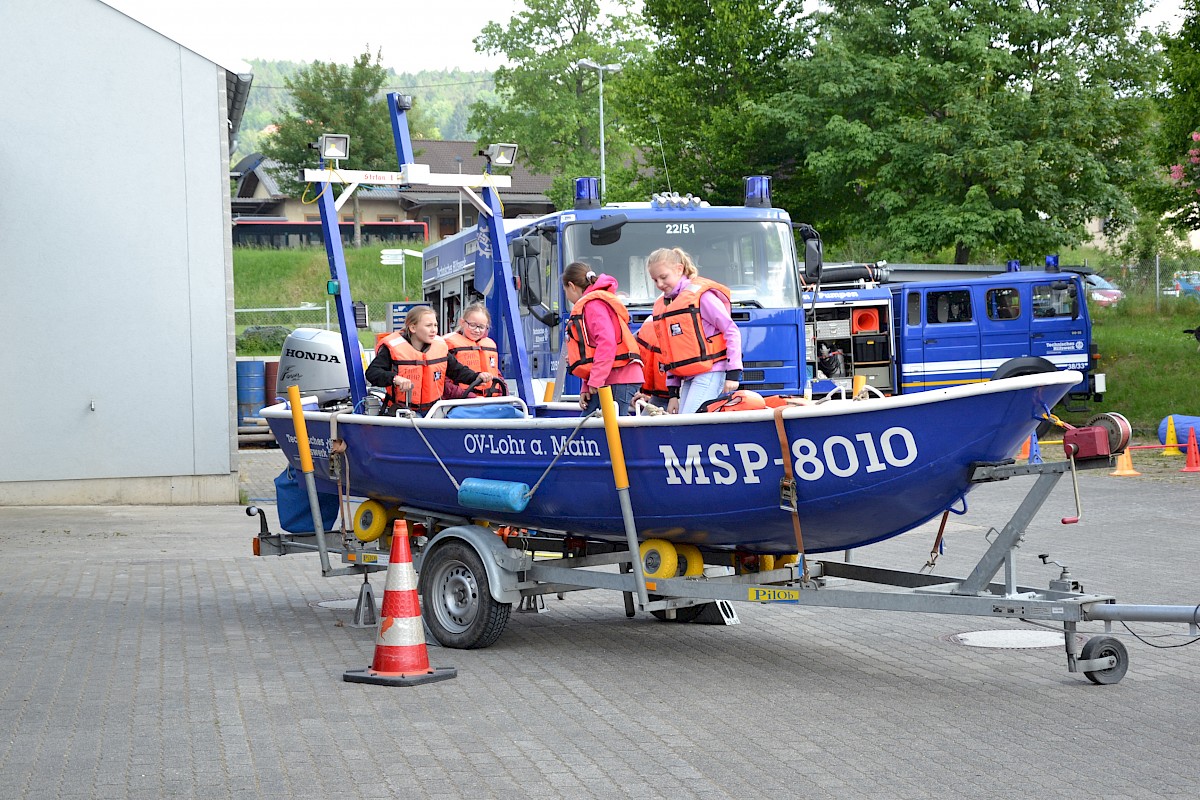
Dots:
(755, 259)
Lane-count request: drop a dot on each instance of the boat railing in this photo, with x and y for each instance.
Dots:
(443, 409)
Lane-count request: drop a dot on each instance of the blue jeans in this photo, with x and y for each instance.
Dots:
(622, 395)
(694, 392)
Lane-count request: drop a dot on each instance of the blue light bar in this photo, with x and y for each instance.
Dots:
(758, 191)
(1014, 266)
(1052, 263)
(587, 193)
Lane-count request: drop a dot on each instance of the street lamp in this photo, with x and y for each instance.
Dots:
(459, 160)
(587, 63)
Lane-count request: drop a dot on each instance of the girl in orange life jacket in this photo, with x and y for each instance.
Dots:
(701, 347)
(601, 349)
(474, 349)
(417, 360)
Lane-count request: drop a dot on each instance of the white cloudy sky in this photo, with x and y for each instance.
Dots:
(412, 36)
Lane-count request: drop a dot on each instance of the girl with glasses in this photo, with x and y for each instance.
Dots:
(475, 350)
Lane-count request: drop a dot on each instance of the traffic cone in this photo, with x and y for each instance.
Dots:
(1124, 466)
(1024, 454)
(1035, 452)
(1172, 443)
(1193, 457)
(400, 655)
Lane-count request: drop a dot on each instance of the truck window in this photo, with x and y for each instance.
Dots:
(1003, 303)
(953, 305)
(914, 308)
(756, 259)
(1051, 301)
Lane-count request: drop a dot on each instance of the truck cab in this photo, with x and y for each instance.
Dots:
(949, 333)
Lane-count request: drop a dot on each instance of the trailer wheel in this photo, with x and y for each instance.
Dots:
(659, 557)
(1027, 365)
(1100, 647)
(691, 561)
(455, 600)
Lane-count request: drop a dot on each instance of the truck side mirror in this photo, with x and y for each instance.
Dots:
(813, 256)
(813, 259)
(607, 229)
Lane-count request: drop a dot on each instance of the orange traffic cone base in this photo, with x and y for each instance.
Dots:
(369, 675)
(1124, 465)
(1193, 457)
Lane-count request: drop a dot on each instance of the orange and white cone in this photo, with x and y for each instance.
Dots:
(1125, 465)
(401, 658)
(1193, 457)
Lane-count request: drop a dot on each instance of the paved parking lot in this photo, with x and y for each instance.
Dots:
(145, 653)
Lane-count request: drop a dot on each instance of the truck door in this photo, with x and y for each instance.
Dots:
(1003, 325)
(1059, 327)
(949, 338)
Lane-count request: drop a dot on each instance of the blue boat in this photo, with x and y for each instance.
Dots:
(865, 470)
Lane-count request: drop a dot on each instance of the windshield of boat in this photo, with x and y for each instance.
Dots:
(755, 259)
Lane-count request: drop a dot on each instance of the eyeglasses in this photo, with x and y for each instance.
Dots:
(475, 326)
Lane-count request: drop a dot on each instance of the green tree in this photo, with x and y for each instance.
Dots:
(688, 102)
(335, 98)
(547, 104)
(994, 127)
(1173, 196)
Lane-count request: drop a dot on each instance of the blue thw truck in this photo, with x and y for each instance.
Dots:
(797, 334)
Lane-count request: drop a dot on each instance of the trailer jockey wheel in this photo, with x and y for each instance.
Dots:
(659, 557)
(1102, 647)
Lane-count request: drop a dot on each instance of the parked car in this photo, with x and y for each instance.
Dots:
(1101, 291)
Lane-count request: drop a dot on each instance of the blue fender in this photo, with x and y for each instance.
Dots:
(501, 562)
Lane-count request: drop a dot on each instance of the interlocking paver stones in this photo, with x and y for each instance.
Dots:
(145, 653)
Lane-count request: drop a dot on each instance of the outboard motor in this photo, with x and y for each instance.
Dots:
(314, 360)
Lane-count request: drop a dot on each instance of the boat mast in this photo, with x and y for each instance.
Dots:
(493, 268)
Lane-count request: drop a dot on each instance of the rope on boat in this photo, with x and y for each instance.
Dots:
(493, 494)
(936, 550)
(789, 484)
(561, 450)
(340, 466)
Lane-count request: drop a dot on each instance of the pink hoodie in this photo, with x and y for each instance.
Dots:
(603, 326)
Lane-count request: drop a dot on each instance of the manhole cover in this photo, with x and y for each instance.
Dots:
(1016, 639)
(345, 604)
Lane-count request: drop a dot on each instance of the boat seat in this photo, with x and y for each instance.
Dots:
(506, 407)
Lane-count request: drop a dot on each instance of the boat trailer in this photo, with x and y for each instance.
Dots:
(471, 574)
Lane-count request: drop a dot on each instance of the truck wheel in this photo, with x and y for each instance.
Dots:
(1027, 365)
(455, 601)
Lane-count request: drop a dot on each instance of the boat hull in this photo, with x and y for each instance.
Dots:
(864, 470)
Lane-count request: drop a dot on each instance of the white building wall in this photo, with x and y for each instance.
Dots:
(116, 327)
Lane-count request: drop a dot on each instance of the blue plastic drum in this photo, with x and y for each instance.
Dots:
(251, 389)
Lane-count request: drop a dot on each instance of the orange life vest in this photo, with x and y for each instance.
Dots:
(478, 356)
(581, 347)
(741, 400)
(654, 380)
(685, 350)
(426, 370)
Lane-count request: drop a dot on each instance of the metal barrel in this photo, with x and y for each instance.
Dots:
(271, 371)
(251, 389)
